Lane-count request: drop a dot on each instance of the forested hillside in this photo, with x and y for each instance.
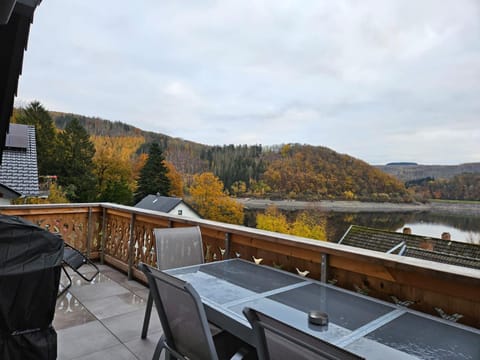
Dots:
(410, 172)
(452, 182)
(286, 171)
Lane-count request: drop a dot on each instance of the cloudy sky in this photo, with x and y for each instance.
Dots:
(379, 80)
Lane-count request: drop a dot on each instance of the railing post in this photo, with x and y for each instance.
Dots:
(102, 238)
(89, 231)
(131, 247)
(324, 268)
(228, 243)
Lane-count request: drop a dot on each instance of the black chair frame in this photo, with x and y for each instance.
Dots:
(74, 259)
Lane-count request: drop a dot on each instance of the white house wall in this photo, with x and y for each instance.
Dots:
(185, 211)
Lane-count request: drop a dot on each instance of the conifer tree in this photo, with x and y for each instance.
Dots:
(153, 176)
(46, 138)
(75, 163)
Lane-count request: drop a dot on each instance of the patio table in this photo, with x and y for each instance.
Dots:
(362, 325)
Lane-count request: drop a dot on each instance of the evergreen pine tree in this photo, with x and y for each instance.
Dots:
(45, 134)
(153, 176)
(75, 163)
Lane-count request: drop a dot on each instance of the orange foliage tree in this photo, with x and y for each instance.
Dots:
(209, 199)
(176, 182)
(305, 225)
(114, 158)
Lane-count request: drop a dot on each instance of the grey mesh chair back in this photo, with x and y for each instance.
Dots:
(276, 340)
(184, 322)
(176, 247)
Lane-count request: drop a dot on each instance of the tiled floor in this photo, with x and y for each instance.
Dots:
(103, 319)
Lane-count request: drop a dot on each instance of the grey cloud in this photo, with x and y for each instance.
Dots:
(369, 78)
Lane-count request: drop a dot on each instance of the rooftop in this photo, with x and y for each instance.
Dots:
(18, 169)
(158, 203)
(421, 247)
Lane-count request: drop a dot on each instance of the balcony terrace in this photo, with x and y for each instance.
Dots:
(103, 319)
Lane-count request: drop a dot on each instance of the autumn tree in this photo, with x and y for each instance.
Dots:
(238, 188)
(74, 166)
(56, 195)
(153, 176)
(46, 136)
(209, 199)
(308, 226)
(305, 224)
(113, 167)
(273, 220)
(176, 182)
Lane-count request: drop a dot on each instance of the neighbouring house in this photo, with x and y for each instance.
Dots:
(166, 204)
(407, 244)
(15, 19)
(7, 195)
(19, 170)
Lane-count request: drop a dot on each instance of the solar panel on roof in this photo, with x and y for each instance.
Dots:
(17, 137)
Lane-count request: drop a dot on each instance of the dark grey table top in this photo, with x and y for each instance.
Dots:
(363, 325)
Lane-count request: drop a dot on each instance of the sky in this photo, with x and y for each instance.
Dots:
(382, 81)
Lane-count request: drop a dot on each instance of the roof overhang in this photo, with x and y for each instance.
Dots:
(15, 19)
(8, 192)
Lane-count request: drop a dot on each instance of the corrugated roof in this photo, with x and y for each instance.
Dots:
(158, 203)
(19, 170)
(423, 247)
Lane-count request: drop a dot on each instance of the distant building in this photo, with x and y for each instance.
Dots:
(19, 170)
(406, 244)
(166, 204)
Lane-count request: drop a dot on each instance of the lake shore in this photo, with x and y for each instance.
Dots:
(359, 206)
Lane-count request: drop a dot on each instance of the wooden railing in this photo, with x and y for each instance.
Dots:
(122, 237)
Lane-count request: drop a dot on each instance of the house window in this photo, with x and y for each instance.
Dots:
(179, 212)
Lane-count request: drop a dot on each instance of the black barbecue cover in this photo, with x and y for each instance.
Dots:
(30, 265)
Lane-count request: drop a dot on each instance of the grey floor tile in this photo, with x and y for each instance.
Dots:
(144, 348)
(83, 340)
(117, 352)
(105, 267)
(143, 293)
(122, 279)
(128, 326)
(105, 307)
(70, 312)
(102, 287)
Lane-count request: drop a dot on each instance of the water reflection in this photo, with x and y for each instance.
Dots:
(465, 228)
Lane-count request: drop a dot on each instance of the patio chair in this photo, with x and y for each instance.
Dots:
(186, 331)
(277, 340)
(176, 247)
(74, 259)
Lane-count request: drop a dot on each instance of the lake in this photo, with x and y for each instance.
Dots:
(462, 227)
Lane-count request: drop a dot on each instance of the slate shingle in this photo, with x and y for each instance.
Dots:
(19, 170)
(423, 247)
